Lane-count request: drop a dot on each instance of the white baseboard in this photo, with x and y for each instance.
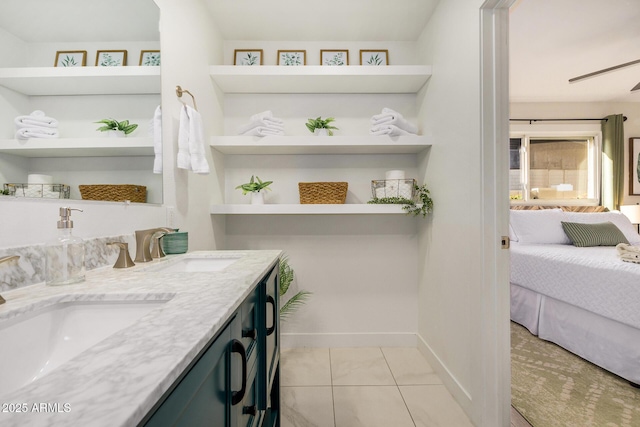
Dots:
(458, 392)
(371, 339)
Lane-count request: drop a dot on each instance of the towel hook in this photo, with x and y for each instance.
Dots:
(180, 91)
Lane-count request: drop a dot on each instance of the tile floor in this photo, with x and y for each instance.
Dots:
(369, 387)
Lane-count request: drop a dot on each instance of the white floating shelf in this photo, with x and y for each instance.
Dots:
(320, 79)
(320, 144)
(82, 80)
(282, 209)
(78, 147)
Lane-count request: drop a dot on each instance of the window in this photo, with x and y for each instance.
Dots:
(549, 169)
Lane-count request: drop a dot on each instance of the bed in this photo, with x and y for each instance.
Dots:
(584, 299)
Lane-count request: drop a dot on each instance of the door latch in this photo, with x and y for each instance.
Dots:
(505, 242)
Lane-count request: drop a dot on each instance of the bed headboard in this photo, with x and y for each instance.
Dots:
(564, 208)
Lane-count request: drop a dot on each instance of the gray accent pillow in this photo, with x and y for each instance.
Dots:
(598, 234)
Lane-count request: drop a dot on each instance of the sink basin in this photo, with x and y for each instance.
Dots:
(195, 264)
(36, 342)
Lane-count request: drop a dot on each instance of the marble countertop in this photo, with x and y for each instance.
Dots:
(118, 381)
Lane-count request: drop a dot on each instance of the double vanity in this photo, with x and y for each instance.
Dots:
(189, 340)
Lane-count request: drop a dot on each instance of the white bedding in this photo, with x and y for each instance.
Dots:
(591, 278)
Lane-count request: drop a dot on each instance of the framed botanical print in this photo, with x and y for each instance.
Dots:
(250, 57)
(111, 58)
(150, 58)
(292, 57)
(333, 57)
(71, 58)
(374, 57)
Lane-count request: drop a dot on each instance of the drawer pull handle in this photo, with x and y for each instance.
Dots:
(250, 333)
(237, 396)
(272, 301)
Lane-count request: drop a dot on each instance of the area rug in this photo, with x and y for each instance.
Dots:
(552, 387)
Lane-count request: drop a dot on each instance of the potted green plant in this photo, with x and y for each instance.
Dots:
(293, 303)
(321, 126)
(255, 186)
(116, 128)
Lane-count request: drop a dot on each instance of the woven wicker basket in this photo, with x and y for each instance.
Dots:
(333, 193)
(114, 193)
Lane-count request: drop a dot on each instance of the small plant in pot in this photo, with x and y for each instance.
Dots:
(321, 126)
(255, 186)
(114, 127)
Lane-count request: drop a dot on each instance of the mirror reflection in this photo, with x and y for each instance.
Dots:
(69, 70)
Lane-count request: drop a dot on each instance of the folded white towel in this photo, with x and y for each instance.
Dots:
(266, 123)
(391, 117)
(390, 130)
(183, 159)
(262, 131)
(26, 133)
(266, 115)
(36, 119)
(156, 134)
(628, 253)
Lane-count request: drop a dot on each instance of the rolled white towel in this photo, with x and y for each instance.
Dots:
(266, 115)
(26, 133)
(394, 119)
(263, 131)
(260, 123)
(390, 130)
(35, 119)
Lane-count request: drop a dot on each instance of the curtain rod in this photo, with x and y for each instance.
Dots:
(624, 118)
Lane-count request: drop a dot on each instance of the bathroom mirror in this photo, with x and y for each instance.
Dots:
(35, 37)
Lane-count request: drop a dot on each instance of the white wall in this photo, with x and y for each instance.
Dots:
(190, 44)
(450, 245)
(592, 110)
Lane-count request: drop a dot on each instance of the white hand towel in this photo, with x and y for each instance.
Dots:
(199, 162)
(156, 133)
(390, 117)
(390, 130)
(183, 158)
(26, 133)
(263, 131)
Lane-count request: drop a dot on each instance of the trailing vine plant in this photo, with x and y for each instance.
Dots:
(423, 207)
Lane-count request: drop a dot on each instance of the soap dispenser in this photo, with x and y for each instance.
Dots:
(64, 261)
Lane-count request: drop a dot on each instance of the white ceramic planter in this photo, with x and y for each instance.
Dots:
(257, 198)
(321, 132)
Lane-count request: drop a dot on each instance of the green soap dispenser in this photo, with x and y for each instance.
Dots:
(64, 257)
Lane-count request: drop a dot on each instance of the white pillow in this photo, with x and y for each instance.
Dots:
(619, 219)
(539, 226)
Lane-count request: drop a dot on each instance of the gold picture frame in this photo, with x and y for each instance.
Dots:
(111, 58)
(334, 57)
(248, 57)
(374, 57)
(71, 58)
(292, 57)
(149, 58)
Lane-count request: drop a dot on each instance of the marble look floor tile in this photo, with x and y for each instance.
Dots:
(433, 406)
(305, 367)
(306, 407)
(409, 367)
(360, 366)
(370, 406)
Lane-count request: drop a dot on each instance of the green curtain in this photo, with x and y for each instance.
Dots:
(612, 161)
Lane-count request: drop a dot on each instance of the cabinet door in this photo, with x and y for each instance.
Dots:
(201, 398)
(272, 322)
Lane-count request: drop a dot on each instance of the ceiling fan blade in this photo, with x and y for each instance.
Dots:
(636, 87)
(606, 70)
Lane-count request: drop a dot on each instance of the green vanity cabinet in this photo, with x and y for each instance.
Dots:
(233, 382)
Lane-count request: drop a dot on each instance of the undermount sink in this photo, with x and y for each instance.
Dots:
(36, 342)
(195, 264)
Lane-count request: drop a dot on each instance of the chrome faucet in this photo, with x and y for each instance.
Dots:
(6, 259)
(143, 242)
